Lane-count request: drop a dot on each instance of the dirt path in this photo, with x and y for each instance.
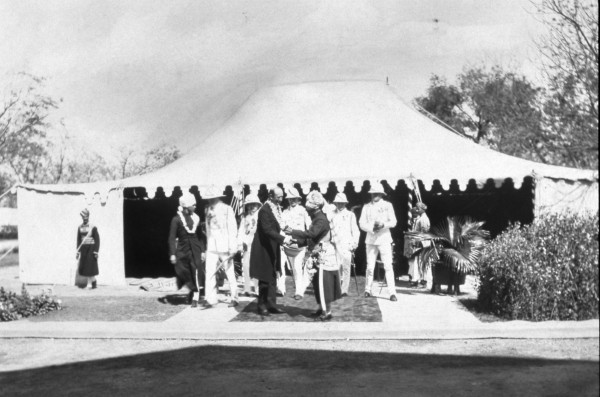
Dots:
(498, 367)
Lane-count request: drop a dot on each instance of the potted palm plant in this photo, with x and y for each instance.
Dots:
(453, 248)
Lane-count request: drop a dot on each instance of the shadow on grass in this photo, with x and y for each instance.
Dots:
(473, 306)
(224, 371)
(353, 307)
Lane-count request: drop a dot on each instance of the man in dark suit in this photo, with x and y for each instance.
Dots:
(265, 257)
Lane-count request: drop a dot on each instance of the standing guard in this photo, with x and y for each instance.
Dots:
(88, 245)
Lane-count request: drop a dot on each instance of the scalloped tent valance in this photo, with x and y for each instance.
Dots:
(332, 131)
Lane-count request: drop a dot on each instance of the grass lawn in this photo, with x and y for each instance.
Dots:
(9, 260)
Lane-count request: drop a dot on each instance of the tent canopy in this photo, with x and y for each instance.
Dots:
(314, 132)
(333, 131)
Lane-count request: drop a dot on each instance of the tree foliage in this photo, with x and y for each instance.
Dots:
(493, 106)
(570, 64)
(132, 162)
(34, 150)
(24, 112)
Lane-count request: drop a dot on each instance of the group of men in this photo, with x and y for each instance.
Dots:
(267, 250)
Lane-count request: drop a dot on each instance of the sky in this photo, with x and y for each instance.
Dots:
(138, 73)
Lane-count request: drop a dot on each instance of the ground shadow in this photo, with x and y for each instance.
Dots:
(353, 307)
(249, 371)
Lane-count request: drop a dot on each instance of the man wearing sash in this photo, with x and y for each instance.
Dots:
(186, 249)
(345, 235)
(377, 218)
(326, 281)
(221, 245)
(88, 245)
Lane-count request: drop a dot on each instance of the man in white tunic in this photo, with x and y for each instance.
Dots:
(345, 235)
(418, 271)
(295, 217)
(245, 236)
(377, 218)
(221, 245)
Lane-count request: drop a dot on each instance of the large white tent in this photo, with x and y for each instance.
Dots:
(303, 133)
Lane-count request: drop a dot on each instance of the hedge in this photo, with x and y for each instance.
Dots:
(14, 307)
(547, 270)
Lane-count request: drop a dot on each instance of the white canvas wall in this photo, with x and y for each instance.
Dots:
(48, 230)
(557, 195)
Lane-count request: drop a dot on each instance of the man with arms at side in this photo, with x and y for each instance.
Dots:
(221, 245)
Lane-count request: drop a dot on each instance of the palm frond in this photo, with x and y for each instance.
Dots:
(457, 261)
(462, 239)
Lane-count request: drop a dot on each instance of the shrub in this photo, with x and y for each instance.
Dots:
(9, 232)
(14, 307)
(544, 271)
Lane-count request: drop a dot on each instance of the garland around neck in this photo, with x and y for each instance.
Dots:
(195, 219)
(277, 212)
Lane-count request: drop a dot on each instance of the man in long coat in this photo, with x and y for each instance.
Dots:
(187, 248)
(265, 257)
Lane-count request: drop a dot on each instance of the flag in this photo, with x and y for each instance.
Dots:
(237, 202)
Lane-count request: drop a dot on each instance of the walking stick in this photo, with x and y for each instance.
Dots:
(222, 264)
(322, 290)
(353, 267)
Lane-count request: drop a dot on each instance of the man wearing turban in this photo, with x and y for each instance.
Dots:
(186, 249)
(88, 245)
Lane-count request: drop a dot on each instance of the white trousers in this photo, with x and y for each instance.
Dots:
(248, 282)
(212, 259)
(385, 252)
(344, 258)
(416, 270)
(301, 276)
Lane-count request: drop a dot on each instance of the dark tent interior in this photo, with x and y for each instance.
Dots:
(146, 221)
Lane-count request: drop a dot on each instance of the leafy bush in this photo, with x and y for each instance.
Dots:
(544, 271)
(9, 232)
(14, 307)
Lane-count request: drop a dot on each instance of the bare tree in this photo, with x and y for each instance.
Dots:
(570, 64)
(24, 110)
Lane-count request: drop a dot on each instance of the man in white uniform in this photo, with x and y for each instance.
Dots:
(376, 219)
(296, 218)
(221, 245)
(345, 235)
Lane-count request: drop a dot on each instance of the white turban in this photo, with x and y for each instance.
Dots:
(315, 200)
(187, 200)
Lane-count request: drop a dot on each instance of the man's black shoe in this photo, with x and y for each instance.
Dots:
(393, 298)
(324, 317)
(275, 310)
(264, 312)
(344, 294)
(194, 303)
(317, 313)
(367, 294)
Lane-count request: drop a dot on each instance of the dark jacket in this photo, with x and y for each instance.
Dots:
(185, 246)
(315, 233)
(265, 257)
